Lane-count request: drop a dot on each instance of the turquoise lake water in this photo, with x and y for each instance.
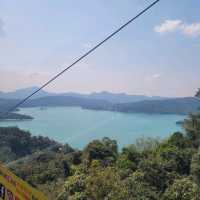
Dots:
(77, 126)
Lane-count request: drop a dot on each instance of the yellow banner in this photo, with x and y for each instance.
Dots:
(14, 188)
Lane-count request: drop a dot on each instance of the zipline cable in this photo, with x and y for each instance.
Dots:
(81, 58)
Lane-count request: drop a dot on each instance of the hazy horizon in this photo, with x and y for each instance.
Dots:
(158, 55)
(85, 93)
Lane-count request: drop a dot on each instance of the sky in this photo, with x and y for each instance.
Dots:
(156, 55)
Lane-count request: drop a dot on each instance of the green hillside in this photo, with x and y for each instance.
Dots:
(181, 106)
(146, 170)
(167, 106)
(6, 104)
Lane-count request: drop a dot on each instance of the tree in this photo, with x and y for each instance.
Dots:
(75, 184)
(179, 140)
(19, 143)
(144, 144)
(175, 159)
(195, 167)
(154, 173)
(138, 189)
(192, 127)
(104, 150)
(182, 189)
(128, 161)
(104, 183)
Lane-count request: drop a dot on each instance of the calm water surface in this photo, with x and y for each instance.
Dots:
(77, 126)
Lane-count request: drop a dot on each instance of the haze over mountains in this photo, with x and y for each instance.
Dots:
(102, 101)
(107, 96)
(22, 93)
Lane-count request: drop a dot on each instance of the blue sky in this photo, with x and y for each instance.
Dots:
(157, 55)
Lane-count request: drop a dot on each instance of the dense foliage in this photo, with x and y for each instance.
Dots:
(15, 143)
(147, 170)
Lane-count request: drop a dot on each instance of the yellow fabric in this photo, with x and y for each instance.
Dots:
(16, 188)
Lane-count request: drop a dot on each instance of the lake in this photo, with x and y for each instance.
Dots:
(77, 126)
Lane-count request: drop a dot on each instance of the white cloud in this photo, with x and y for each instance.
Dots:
(156, 76)
(168, 26)
(152, 78)
(191, 30)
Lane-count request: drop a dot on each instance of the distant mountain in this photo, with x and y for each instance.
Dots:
(22, 93)
(50, 101)
(102, 101)
(5, 105)
(53, 101)
(107, 96)
(168, 106)
(115, 97)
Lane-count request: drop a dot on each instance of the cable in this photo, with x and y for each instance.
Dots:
(81, 58)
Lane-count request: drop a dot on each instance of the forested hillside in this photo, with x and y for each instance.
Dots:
(181, 106)
(5, 105)
(166, 106)
(146, 170)
(15, 143)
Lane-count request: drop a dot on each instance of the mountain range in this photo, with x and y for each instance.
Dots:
(166, 106)
(102, 101)
(107, 96)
